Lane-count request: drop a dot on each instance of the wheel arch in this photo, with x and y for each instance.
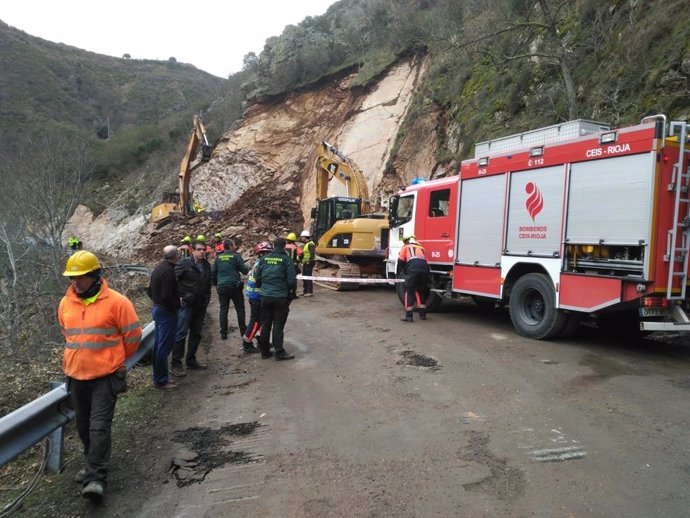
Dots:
(517, 271)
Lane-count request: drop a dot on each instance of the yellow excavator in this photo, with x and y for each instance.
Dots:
(181, 202)
(350, 239)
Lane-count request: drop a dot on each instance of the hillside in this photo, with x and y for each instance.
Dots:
(47, 85)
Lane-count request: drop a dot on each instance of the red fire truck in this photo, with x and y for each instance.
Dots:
(561, 222)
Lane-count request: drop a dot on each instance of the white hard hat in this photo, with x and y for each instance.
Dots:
(305, 233)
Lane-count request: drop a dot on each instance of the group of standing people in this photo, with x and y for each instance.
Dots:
(181, 285)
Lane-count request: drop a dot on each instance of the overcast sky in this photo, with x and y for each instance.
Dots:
(213, 35)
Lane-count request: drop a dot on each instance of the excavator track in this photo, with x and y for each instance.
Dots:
(336, 269)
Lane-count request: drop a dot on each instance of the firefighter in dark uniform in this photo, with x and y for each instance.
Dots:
(276, 277)
(416, 273)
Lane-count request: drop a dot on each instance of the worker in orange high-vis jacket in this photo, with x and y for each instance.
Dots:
(416, 273)
(101, 329)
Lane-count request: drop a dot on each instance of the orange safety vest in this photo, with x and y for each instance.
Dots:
(99, 336)
(412, 251)
(220, 248)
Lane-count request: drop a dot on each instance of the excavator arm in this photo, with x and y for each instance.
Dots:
(331, 163)
(197, 138)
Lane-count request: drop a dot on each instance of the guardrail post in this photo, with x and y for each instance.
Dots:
(56, 444)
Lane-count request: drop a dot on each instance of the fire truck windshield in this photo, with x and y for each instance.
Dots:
(402, 211)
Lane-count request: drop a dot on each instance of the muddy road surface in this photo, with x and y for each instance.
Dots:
(455, 416)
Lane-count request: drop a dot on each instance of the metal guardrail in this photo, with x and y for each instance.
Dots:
(35, 421)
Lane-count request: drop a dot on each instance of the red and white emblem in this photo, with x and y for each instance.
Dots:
(535, 201)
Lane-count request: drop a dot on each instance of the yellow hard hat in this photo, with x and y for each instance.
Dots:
(410, 237)
(186, 239)
(81, 263)
(201, 238)
(219, 235)
(291, 237)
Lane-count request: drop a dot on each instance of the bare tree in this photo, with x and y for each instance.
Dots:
(526, 29)
(43, 180)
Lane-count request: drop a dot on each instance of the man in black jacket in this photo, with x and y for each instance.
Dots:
(225, 275)
(194, 286)
(275, 275)
(166, 301)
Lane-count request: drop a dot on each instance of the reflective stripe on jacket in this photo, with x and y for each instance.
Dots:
(251, 289)
(308, 252)
(99, 336)
(412, 251)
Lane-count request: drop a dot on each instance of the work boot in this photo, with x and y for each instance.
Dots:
(196, 366)
(248, 347)
(407, 317)
(422, 313)
(284, 355)
(93, 490)
(177, 371)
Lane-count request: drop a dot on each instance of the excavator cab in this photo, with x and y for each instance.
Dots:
(206, 151)
(334, 209)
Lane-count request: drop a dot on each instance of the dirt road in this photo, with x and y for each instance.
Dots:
(455, 416)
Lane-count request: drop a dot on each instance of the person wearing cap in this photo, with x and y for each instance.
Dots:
(218, 246)
(308, 260)
(226, 277)
(101, 330)
(275, 276)
(163, 292)
(194, 287)
(416, 273)
(209, 251)
(292, 249)
(254, 298)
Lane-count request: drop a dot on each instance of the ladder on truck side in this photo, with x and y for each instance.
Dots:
(678, 237)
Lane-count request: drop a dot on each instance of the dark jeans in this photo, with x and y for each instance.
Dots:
(274, 314)
(416, 290)
(94, 404)
(308, 286)
(225, 295)
(166, 328)
(190, 319)
(254, 320)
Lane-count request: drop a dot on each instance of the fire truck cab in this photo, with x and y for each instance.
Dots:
(561, 222)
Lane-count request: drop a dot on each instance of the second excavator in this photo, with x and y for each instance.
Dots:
(351, 239)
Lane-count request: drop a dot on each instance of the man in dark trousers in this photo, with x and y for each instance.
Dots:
(194, 286)
(166, 301)
(276, 277)
(416, 272)
(101, 330)
(225, 276)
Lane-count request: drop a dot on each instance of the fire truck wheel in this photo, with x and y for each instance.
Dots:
(571, 326)
(533, 308)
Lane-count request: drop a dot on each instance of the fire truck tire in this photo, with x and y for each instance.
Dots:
(533, 308)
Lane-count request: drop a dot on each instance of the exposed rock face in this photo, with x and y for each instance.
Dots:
(262, 177)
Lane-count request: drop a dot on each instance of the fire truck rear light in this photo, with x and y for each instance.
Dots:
(483, 162)
(607, 138)
(536, 151)
(656, 302)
